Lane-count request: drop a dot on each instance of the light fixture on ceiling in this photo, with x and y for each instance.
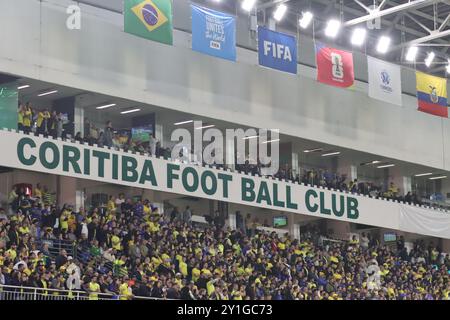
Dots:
(313, 150)
(205, 127)
(332, 28)
(383, 44)
(270, 141)
(331, 154)
(412, 53)
(438, 178)
(447, 68)
(358, 36)
(46, 93)
(386, 166)
(183, 122)
(23, 87)
(106, 106)
(248, 5)
(423, 174)
(279, 12)
(249, 137)
(306, 19)
(429, 59)
(130, 111)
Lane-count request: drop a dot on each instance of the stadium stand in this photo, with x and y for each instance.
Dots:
(130, 251)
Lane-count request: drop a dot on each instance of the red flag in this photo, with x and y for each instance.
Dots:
(334, 67)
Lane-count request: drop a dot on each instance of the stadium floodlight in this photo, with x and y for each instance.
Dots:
(47, 93)
(332, 28)
(130, 111)
(331, 154)
(279, 12)
(248, 5)
(383, 44)
(183, 122)
(106, 106)
(423, 174)
(448, 67)
(306, 19)
(438, 178)
(429, 59)
(412, 53)
(386, 166)
(359, 36)
(23, 87)
(205, 127)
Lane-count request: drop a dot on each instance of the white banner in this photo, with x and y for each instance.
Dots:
(385, 81)
(142, 171)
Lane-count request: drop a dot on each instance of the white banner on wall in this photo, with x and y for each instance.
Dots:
(385, 81)
(142, 171)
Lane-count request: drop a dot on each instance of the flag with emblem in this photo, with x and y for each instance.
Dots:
(432, 94)
(334, 67)
(150, 19)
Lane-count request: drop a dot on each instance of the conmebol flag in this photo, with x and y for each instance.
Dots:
(334, 67)
(432, 94)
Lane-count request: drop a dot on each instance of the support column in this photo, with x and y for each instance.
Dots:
(66, 190)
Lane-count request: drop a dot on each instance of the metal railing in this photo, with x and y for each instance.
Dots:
(10, 293)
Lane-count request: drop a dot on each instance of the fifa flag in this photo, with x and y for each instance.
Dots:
(150, 19)
(213, 33)
(384, 81)
(334, 67)
(432, 94)
(277, 50)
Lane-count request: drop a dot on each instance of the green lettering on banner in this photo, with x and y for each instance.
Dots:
(336, 212)
(87, 162)
(352, 208)
(171, 175)
(276, 202)
(289, 203)
(71, 155)
(225, 179)
(43, 155)
(323, 210)
(308, 194)
(263, 194)
(101, 156)
(115, 166)
(184, 179)
(248, 189)
(212, 176)
(148, 174)
(20, 151)
(129, 165)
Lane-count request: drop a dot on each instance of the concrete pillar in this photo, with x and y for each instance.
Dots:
(66, 190)
(79, 116)
(159, 134)
(445, 244)
(232, 220)
(294, 164)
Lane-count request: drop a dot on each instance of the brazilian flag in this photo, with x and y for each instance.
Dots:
(150, 19)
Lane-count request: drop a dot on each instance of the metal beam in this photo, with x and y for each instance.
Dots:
(435, 34)
(270, 4)
(444, 24)
(381, 13)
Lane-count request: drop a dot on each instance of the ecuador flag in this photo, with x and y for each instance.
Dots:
(432, 94)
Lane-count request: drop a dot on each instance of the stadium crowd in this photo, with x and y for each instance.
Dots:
(130, 250)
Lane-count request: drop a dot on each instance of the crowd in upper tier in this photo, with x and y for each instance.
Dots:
(128, 249)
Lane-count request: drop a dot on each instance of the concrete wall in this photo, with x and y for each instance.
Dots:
(101, 57)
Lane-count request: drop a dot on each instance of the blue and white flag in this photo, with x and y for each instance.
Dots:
(213, 33)
(277, 50)
(385, 81)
